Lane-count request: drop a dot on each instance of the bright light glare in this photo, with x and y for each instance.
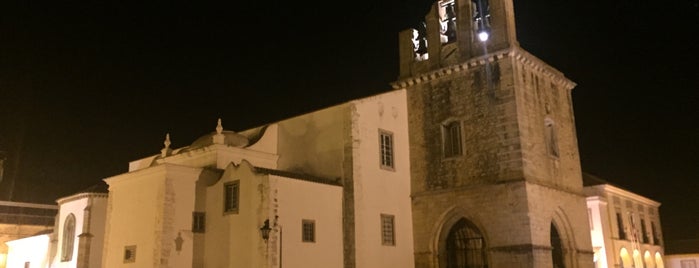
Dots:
(483, 36)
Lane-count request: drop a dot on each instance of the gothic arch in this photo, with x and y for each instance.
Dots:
(454, 218)
(562, 226)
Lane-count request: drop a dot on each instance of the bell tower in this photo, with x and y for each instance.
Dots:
(495, 171)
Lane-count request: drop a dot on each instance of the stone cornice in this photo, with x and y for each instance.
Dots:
(516, 53)
(80, 196)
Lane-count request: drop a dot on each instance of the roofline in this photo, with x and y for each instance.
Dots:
(608, 188)
(27, 205)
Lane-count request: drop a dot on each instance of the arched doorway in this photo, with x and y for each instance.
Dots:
(556, 248)
(465, 246)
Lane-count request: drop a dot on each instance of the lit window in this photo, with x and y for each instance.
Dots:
(452, 139)
(198, 222)
(386, 148)
(231, 197)
(308, 231)
(388, 234)
(68, 242)
(447, 15)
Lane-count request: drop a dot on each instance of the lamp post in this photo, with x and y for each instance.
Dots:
(264, 231)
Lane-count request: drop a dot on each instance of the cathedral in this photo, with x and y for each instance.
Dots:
(471, 160)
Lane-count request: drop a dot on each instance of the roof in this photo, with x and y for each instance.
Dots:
(299, 176)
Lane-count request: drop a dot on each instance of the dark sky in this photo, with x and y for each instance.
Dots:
(86, 86)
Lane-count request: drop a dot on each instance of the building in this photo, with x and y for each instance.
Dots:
(74, 237)
(682, 253)
(495, 169)
(470, 161)
(624, 226)
(20, 220)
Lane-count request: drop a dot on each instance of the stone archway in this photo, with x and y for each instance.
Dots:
(465, 246)
(557, 250)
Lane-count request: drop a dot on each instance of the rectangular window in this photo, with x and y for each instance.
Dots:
(620, 226)
(388, 234)
(656, 238)
(386, 148)
(129, 254)
(231, 192)
(644, 232)
(198, 222)
(308, 231)
(688, 264)
(452, 139)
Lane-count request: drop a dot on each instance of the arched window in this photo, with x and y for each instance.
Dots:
(68, 238)
(465, 246)
(556, 248)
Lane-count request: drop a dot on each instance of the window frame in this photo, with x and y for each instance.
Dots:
(198, 222)
(386, 150)
(388, 230)
(308, 231)
(68, 238)
(231, 191)
(452, 143)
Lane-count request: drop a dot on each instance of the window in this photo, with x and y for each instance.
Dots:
(68, 242)
(198, 222)
(481, 15)
(388, 233)
(129, 254)
(688, 263)
(452, 139)
(447, 21)
(27, 264)
(644, 232)
(656, 238)
(551, 139)
(308, 231)
(386, 148)
(620, 226)
(231, 192)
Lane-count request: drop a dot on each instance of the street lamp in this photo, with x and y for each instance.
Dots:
(264, 230)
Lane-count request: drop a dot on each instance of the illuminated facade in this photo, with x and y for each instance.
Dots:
(495, 170)
(624, 226)
(470, 161)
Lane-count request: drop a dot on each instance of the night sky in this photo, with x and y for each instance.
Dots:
(87, 86)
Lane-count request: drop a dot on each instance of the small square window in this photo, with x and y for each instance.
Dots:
(388, 235)
(386, 149)
(308, 231)
(198, 222)
(231, 192)
(452, 139)
(129, 254)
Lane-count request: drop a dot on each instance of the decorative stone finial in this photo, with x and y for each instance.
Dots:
(219, 127)
(219, 138)
(166, 151)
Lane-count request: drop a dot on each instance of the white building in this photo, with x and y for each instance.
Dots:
(624, 226)
(206, 205)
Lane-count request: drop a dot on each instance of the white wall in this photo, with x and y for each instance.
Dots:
(33, 249)
(380, 191)
(148, 209)
(298, 200)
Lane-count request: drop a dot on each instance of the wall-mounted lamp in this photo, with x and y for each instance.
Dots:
(264, 230)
